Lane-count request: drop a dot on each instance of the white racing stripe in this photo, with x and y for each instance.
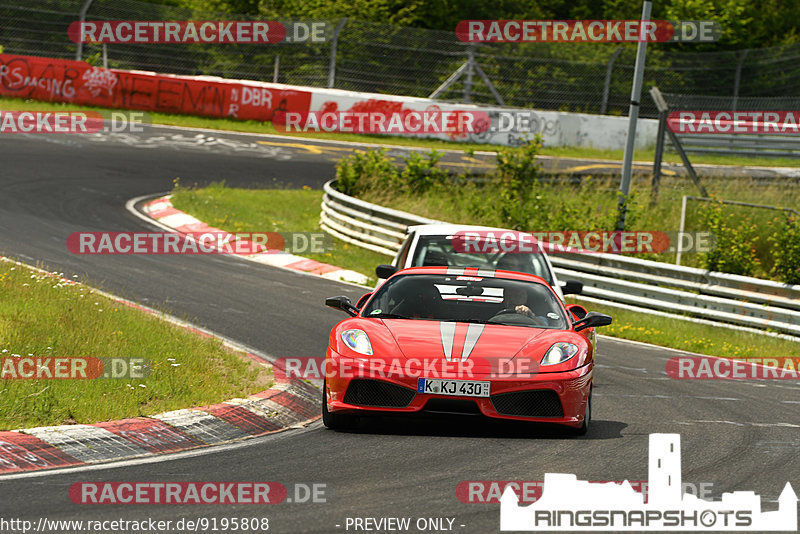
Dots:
(448, 332)
(474, 332)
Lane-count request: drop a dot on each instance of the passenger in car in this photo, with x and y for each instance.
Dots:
(422, 302)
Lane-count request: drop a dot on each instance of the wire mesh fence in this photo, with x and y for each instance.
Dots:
(381, 58)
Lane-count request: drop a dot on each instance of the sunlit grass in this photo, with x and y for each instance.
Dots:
(690, 336)
(272, 210)
(43, 316)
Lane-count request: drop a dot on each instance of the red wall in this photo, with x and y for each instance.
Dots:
(59, 80)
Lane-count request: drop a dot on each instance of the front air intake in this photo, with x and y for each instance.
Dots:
(533, 403)
(378, 394)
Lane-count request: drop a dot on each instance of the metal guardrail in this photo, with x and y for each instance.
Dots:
(763, 145)
(663, 288)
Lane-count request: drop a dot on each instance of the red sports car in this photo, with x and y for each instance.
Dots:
(461, 340)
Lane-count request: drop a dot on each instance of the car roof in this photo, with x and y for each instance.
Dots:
(447, 229)
(451, 229)
(474, 271)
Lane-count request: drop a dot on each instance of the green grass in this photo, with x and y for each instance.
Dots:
(45, 317)
(282, 210)
(190, 121)
(690, 336)
(272, 210)
(593, 205)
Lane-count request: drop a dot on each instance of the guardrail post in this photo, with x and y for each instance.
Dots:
(661, 104)
(607, 84)
(633, 117)
(680, 230)
(81, 20)
(468, 77)
(334, 46)
(737, 78)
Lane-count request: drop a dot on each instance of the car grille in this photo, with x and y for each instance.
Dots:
(536, 403)
(377, 393)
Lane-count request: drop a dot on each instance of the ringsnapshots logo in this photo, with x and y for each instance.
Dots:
(529, 491)
(569, 504)
(72, 122)
(241, 243)
(587, 31)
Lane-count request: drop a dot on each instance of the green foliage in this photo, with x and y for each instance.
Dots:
(787, 251)
(511, 196)
(44, 316)
(744, 23)
(420, 173)
(735, 242)
(362, 171)
(95, 60)
(516, 180)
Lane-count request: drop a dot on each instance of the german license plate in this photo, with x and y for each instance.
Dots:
(461, 388)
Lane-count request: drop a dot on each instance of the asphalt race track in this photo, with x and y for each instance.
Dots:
(736, 435)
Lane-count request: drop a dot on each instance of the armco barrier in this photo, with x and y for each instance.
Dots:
(77, 82)
(643, 285)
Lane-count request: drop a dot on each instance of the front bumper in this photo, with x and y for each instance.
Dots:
(360, 387)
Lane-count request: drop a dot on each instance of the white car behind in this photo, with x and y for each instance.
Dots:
(432, 244)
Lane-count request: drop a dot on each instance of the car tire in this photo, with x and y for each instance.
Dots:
(335, 421)
(587, 419)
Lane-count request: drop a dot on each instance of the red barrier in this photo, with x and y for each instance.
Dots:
(76, 82)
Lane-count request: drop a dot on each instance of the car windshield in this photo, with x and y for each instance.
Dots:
(467, 298)
(439, 251)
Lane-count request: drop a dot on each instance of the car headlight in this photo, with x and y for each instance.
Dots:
(358, 341)
(559, 353)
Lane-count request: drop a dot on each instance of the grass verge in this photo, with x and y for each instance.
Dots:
(292, 210)
(189, 121)
(690, 336)
(43, 316)
(272, 210)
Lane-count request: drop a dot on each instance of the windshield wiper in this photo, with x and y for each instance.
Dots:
(388, 316)
(476, 321)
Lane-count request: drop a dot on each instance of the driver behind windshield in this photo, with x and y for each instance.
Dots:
(516, 298)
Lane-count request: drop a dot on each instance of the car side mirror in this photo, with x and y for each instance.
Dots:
(591, 320)
(572, 287)
(577, 310)
(363, 300)
(385, 271)
(341, 303)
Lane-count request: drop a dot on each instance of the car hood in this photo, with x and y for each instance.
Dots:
(485, 347)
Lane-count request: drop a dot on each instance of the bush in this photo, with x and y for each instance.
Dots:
(420, 173)
(786, 251)
(362, 171)
(511, 196)
(734, 251)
